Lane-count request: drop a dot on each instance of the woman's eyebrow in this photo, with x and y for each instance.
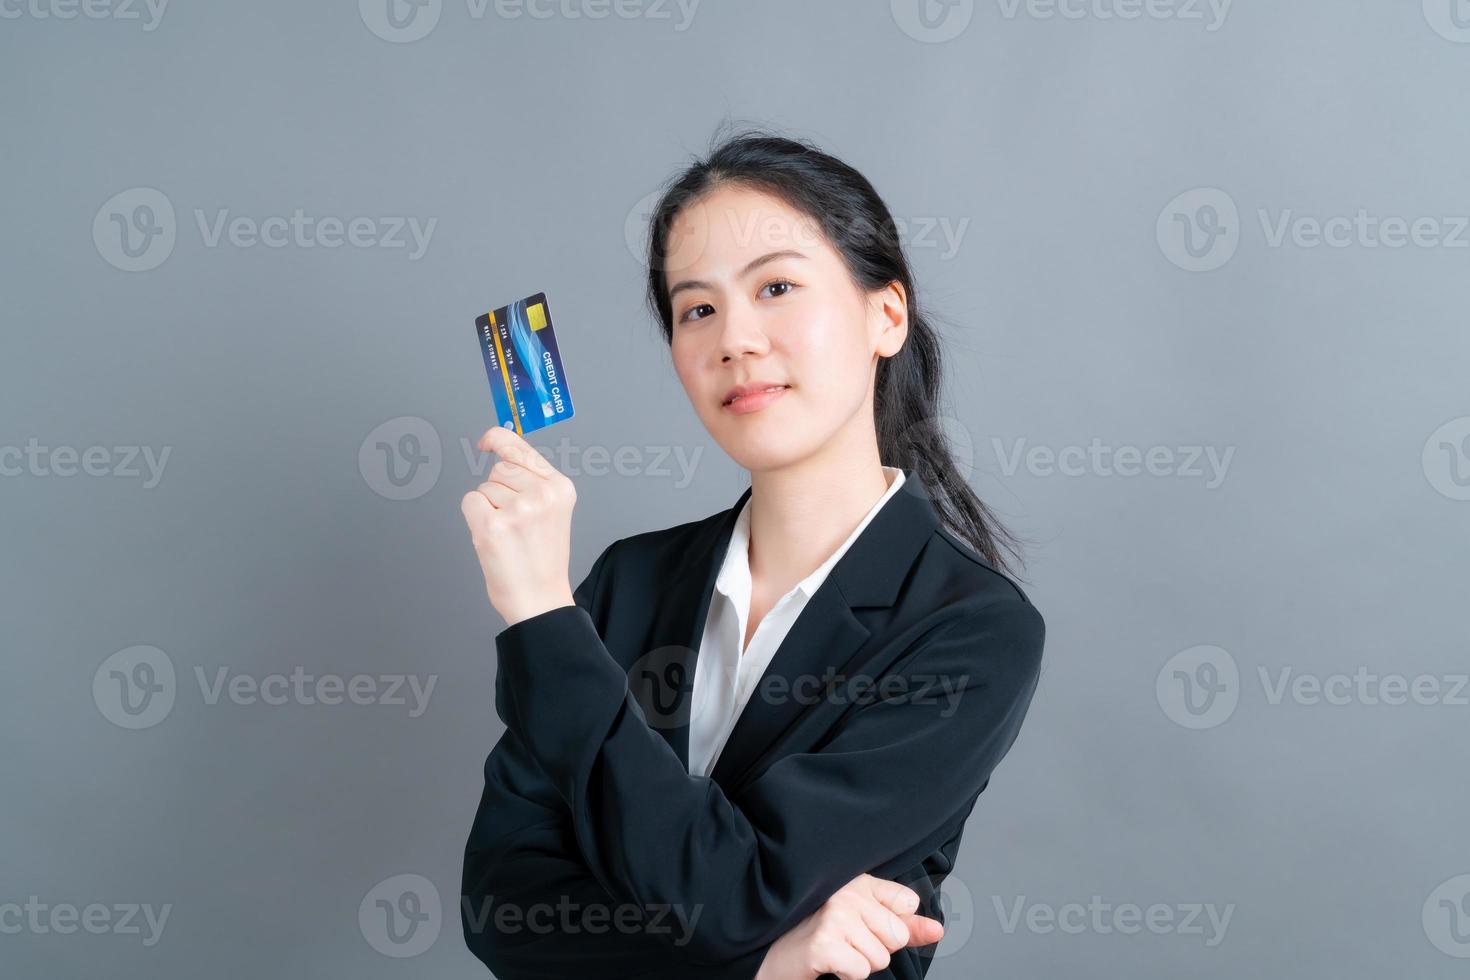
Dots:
(750, 266)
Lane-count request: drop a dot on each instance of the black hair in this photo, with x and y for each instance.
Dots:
(857, 222)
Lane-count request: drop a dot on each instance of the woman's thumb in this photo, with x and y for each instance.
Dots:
(923, 931)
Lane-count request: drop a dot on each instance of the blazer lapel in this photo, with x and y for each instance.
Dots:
(678, 628)
(826, 634)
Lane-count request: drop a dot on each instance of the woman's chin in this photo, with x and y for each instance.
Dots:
(772, 453)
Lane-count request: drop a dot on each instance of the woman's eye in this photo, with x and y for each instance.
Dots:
(688, 314)
(780, 282)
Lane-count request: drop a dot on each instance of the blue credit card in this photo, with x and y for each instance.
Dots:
(527, 382)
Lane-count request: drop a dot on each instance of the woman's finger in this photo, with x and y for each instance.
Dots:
(847, 963)
(498, 494)
(507, 444)
(871, 944)
(923, 931)
(513, 475)
(475, 507)
(884, 924)
(899, 898)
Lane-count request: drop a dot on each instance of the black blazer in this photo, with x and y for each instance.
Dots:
(595, 853)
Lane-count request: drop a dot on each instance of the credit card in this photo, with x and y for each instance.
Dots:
(527, 382)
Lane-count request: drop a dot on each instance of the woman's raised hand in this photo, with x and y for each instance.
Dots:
(520, 522)
(852, 934)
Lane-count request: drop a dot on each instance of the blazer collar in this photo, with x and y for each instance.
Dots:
(826, 635)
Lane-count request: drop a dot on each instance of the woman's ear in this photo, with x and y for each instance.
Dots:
(888, 319)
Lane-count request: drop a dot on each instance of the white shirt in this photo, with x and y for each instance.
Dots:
(724, 677)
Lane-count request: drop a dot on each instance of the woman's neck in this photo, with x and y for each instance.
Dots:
(799, 514)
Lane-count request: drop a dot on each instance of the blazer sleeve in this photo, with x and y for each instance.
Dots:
(884, 790)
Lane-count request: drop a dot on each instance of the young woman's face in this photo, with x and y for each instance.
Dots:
(760, 297)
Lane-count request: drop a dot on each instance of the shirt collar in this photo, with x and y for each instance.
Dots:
(733, 580)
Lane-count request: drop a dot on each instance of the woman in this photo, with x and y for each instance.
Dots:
(635, 824)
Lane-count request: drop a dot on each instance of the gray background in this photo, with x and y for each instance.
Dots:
(1053, 147)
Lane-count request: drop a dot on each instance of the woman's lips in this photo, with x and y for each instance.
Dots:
(755, 401)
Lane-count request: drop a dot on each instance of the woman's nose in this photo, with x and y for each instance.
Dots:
(741, 333)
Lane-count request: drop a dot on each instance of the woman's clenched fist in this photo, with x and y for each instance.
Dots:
(853, 935)
(520, 522)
